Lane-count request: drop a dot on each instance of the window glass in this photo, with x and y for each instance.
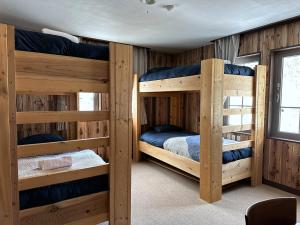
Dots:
(285, 118)
(86, 101)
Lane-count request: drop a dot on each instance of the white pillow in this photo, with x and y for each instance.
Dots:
(227, 61)
(61, 34)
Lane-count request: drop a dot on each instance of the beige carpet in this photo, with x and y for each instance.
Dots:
(162, 197)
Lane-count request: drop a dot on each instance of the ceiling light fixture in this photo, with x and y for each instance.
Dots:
(148, 2)
(168, 7)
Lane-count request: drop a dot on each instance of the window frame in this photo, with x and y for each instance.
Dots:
(275, 95)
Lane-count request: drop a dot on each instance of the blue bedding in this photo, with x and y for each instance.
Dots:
(60, 192)
(183, 71)
(188, 144)
(52, 44)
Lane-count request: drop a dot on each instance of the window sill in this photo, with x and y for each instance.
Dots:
(284, 139)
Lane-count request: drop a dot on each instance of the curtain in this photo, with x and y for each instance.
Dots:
(228, 48)
(140, 66)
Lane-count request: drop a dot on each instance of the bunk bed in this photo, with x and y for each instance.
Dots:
(215, 81)
(89, 190)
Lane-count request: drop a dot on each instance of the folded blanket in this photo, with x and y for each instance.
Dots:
(50, 164)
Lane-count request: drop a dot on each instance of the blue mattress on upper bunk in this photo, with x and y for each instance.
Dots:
(187, 144)
(184, 71)
(51, 44)
(60, 192)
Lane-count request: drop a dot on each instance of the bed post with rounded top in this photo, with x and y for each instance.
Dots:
(259, 121)
(136, 116)
(211, 122)
(9, 198)
(121, 75)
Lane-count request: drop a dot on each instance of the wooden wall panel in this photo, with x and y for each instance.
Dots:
(158, 109)
(279, 167)
(282, 163)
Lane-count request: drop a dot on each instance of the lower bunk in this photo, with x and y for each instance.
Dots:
(181, 150)
(68, 188)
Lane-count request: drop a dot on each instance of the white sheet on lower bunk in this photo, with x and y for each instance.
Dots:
(28, 167)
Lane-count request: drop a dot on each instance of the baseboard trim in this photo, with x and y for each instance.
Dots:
(282, 187)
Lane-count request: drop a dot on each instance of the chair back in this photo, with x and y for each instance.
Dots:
(279, 211)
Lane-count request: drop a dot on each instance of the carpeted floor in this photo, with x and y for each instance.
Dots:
(162, 197)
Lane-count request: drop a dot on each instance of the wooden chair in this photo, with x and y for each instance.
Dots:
(279, 211)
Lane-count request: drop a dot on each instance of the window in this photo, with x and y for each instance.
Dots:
(242, 102)
(248, 60)
(285, 104)
(86, 101)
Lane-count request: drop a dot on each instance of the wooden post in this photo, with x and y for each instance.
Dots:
(175, 110)
(9, 195)
(121, 75)
(211, 122)
(136, 115)
(259, 130)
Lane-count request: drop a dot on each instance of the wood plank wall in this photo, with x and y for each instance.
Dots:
(282, 158)
(158, 108)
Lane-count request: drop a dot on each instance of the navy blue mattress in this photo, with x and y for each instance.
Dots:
(60, 192)
(52, 44)
(193, 144)
(184, 71)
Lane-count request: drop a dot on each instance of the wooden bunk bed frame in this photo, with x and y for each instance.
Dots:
(214, 86)
(39, 73)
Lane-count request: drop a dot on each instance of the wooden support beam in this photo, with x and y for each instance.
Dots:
(87, 210)
(9, 196)
(61, 177)
(121, 75)
(259, 130)
(63, 116)
(190, 83)
(240, 111)
(239, 145)
(136, 116)
(211, 121)
(185, 164)
(51, 85)
(61, 147)
(237, 128)
(42, 64)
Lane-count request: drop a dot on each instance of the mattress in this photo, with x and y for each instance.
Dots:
(59, 192)
(183, 71)
(187, 144)
(52, 44)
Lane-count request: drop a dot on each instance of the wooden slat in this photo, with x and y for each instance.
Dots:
(185, 164)
(61, 177)
(121, 75)
(60, 66)
(211, 121)
(64, 116)
(30, 84)
(259, 131)
(89, 209)
(236, 128)
(237, 170)
(175, 110)
(241, 111)
(235, 85)
(61, 147)
(239, 145)
(9, 203)
(190, 83)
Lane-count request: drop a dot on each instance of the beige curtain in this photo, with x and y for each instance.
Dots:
(140, 66)
(228, 48)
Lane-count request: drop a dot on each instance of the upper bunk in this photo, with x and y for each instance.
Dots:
(52, 64)
(237, 81)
